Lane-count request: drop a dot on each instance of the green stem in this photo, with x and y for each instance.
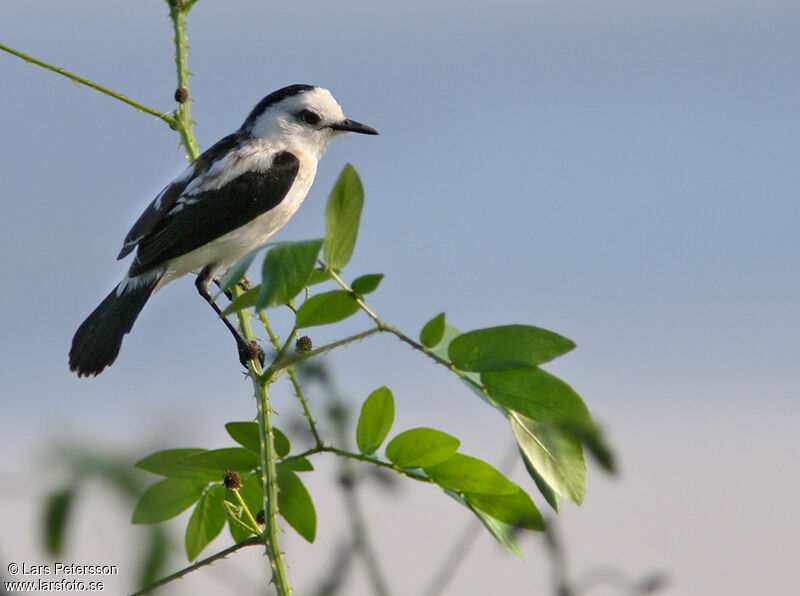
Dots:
(360, 457)
(183, 113)
(298, 390)
(253, 523)
(328, 347)
(80, 80)
(202, 563)
(382, 326)
(269, 474)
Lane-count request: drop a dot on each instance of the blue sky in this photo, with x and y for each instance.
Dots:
(624, 174)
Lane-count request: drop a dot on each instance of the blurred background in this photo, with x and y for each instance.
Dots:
(623, 173)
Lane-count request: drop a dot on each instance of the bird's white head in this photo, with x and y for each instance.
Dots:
(300, 116)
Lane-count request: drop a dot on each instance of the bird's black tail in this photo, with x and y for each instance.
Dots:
(97, 341)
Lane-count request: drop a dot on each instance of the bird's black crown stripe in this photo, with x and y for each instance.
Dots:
(273, 98)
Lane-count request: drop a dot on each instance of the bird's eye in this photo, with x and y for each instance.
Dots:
(308, 117)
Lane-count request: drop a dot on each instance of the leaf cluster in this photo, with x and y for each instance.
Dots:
(502, 365)
(195, 477)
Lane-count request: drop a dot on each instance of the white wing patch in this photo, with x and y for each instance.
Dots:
(254, 157)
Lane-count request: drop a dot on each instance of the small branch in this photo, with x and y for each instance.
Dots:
(294, 360)
(275, 369)
(269, 474)
(382, 326)
(360, 457)
(203, 563)
(183, 113)
(249, 514)
(80, 80)
(298, 390)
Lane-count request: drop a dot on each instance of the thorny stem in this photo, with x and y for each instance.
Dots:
(269, 474)
(382, 326)
(298, 390)
(82, 81)
(178, 9)
(327, 348)
(182, 122)
(359, 457)
(254, 540)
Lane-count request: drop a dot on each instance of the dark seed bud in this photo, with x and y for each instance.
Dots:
(251, 350)
(232, 480)
(181, 94)
(303, 344)
(261, 517)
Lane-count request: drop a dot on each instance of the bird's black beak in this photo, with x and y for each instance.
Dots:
(353, 126)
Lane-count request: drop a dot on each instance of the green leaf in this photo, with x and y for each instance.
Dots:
(326, 308)
(375, 421)
(366, 283)
(516, 509)
(230, 458)
(281, 441)
(421, 447)
(300, 464)
(503, 533)
(545, 489)
(342, 215)
(448, 335)
(206, 521)
(538, 395)
(467, 474)
(251, 492)
(506, 348)
(295, 505)
(166, 463)
(237, 272)
(433, 331)
(246, 434)
(56, 514)
(440, 350)
(318, 276)
(165, 499)
(243, 301)
(285, 271)
(557, 458)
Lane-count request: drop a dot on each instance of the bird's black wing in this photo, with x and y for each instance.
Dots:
(208, 215)
(167, 198)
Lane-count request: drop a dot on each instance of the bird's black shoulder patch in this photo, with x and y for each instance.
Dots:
(272, 99)
(214, 213)
(166, 199)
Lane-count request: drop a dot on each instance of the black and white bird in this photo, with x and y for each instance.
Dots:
(229, 201)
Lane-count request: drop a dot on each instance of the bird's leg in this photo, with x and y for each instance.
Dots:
(247, 349)
(243, 283)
